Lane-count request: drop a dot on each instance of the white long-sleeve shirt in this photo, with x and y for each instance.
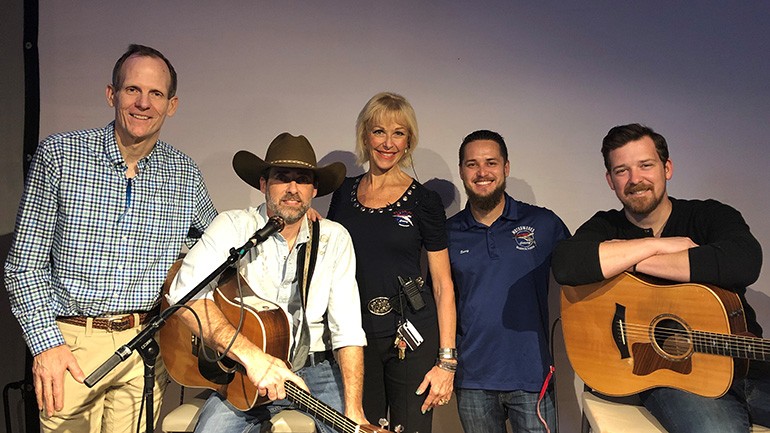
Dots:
(271, 272)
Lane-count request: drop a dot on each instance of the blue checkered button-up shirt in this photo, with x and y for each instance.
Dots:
(90, 241)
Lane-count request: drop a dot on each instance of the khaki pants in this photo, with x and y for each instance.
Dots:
(114, 403)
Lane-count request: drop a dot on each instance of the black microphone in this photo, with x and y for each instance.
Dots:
(274, 225)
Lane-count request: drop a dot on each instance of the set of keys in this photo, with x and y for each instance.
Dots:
(406, 336)
(400, 344)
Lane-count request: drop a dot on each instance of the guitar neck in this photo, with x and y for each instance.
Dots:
(735, 346)
(320, 410)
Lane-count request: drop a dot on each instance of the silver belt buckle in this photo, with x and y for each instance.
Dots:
(379, 306)
(115, 321)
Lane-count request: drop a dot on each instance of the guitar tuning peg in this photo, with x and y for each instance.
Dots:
(399, 428)
(383, 422)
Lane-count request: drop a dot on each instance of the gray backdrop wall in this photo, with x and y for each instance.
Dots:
(552, 77)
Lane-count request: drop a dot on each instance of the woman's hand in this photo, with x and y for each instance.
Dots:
(313, 215)
(440, 382)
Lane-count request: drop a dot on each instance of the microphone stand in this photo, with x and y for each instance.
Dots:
(145, 344)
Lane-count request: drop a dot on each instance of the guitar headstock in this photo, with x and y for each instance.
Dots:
(383, 428)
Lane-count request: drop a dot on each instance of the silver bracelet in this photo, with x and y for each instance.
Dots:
(447, 353)
(447, 365)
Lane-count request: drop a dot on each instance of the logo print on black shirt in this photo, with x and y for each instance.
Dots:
(403, 218)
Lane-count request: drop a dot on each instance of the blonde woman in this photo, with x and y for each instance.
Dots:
(391, 218)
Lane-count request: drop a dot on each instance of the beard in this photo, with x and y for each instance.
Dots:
(290, 215)
(486, 202)
(640, 205)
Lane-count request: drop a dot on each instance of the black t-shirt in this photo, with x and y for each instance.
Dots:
(727, 256)
(388, 243)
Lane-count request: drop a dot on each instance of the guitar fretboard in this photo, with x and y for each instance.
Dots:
(735, 346)
(322, 411)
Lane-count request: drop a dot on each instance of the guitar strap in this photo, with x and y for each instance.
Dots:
(306, 259)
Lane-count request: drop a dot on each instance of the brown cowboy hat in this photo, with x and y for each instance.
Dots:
(289, 151)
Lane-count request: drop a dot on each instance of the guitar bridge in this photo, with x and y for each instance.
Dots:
(619, 331)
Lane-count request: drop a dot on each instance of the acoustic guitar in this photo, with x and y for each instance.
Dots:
(626, 335)
(264, 324)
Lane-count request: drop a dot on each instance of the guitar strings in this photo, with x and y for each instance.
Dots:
(703, 339)
(315, 406)
(644, 330)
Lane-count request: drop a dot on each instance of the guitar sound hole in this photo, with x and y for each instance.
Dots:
(672, 338)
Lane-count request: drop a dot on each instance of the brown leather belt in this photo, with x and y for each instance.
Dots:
(116, 323)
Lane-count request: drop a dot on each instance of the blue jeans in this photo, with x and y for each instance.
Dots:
(747, 402)
(486, 411)
(218, 415)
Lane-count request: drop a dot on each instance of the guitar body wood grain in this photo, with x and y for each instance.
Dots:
(265, 325)
(589, 311)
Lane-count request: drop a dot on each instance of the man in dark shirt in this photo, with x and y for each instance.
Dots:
(701, 241)
(500, 253)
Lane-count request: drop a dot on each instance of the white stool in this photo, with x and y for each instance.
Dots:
(184, 417)
(609, 417)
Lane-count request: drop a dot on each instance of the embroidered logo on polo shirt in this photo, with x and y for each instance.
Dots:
(524, 237)
(403, 218)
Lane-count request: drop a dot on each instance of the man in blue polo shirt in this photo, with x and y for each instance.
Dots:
(500, 251)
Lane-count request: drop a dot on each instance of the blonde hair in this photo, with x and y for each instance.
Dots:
(390, 106)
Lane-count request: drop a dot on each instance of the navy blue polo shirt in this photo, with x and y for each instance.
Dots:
(501, 274)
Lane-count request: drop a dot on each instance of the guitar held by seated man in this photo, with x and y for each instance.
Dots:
(625, 335)
(265, 325)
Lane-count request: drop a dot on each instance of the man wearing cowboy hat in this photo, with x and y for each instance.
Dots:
(289, 177)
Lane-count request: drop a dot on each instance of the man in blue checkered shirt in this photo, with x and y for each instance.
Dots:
(104, 214)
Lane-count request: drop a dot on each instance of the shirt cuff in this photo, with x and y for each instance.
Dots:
(357, 339)
(41, 340)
